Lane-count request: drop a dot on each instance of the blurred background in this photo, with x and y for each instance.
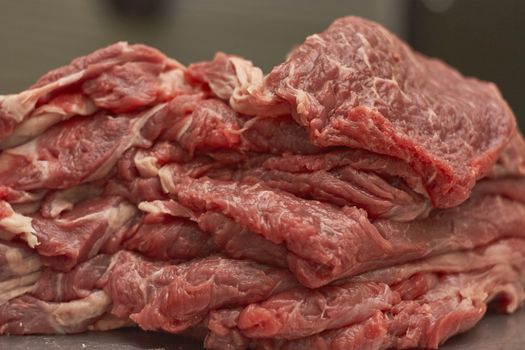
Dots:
(483, 38)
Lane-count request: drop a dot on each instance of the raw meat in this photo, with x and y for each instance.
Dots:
(359, 196)
(104, 79)
(393, 304)
(358, 85)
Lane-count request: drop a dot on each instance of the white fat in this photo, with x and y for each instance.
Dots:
(87, 107)
(64, 81)
(13, 293)
(185, 127)
(166, 180)
(65, 200)
(146, 165)
(20, 224)
(17, 107)
(17, 283)
(60, 205)
(43, 118)
(21, 264)
(172, 81)
(29, 128)
(304, 101)
(27, 150)
(109, 322)
(115, 217)
(118, 216)
(78, 311)
(154, 207)
(247, 74)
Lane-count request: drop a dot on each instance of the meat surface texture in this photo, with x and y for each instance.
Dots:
(358, 196)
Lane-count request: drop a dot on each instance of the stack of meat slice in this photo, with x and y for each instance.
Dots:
(359, 196)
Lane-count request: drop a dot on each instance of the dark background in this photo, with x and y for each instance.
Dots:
(483, 38)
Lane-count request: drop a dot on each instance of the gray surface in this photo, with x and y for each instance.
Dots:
(494, 332)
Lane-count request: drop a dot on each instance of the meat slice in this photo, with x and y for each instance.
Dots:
(223, 332)
(60, 201)
(170, 238)
(323, 241)
(387, 167)
(368, 335)
(221, 232)
(80, 282)
(28, 315)
(202, 124)
(478, 222)
(405, 314)
(61, 107)
(80, 233)
(327, 243)
(301, 313)
(175, 297)
(17, 260)
(224, 74)
(512, 188)
(351, 178)
(235, 79)
(358, 85)
(345, 186)
(125, 87)
(74, 152)
(108, 80)
(240, 243)
(276, 136)
(104, 58)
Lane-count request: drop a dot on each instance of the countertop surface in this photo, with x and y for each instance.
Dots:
(494, 332)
